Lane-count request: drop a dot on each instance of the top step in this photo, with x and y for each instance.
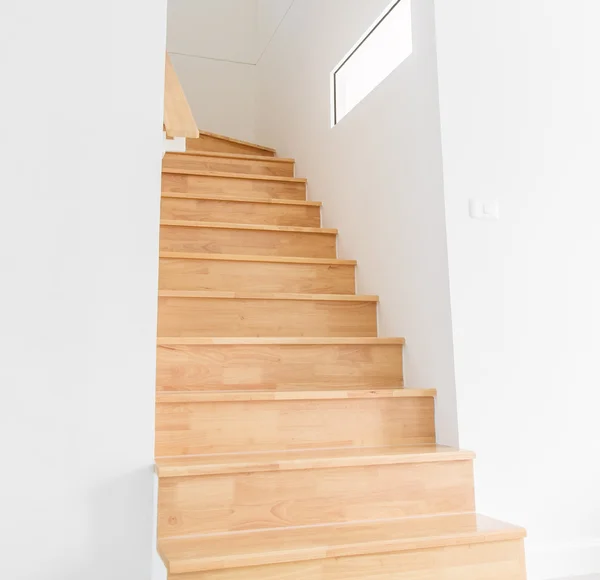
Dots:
(221, 144)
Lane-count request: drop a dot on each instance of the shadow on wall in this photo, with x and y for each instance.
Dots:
(121, 528)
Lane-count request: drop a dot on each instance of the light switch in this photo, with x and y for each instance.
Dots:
(484, 210)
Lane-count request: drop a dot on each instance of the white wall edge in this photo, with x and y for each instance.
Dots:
(159, 570)
(549, 561)
(175, 145)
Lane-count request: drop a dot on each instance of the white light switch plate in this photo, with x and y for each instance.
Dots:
(484, 210)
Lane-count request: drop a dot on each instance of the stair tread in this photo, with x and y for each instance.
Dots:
(251, 176)
(291, 393)
(238, 141)
(243, 258)
(199, 340)
(251, 548)
(216, 197)
(240, 156)
(181, 466)
(227, 226)
(266, 296)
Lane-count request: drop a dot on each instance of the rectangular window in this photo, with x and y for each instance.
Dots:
(386, 44)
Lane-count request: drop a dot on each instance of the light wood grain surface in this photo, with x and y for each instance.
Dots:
(241, 198)
(248, 227)
(234, 185)
(279, 499)
(213, 142)
(249, 258)
(236, 315)
(313, 341)
(178, 118)
(259, 212)
(292, 460)
(243, 156)
(237, 275)
(496, 560)
(286, 296)
(297, 393)
(335, 542)
(243, 177)
(230, 163)
(276, 364)
(287, 447)
(214, 427)
(180, 236)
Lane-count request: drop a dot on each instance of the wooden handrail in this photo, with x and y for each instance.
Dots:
(178, 118)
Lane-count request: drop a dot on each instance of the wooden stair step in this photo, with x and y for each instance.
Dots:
(256, 259)
(266, 363)
(226, 155)
(265, 259)
(226, 295)
(187, 466)
(290, 393)
(212, 197)
(254, 240)
(230, 162)
(329, 552)
(193, 424)
(290, 341)
(210, 208)
(238, 273)
(249, 227)
(207, 141)
(237, 176)
(302, 487)
(280, 498)
(212, 313)
(233, 184)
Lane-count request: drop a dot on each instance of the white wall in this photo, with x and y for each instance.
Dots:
(222, 95)
(213, 46)
(378, 173)
(80, 145)
(519, 95)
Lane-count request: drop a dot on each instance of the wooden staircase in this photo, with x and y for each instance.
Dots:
(286, 445)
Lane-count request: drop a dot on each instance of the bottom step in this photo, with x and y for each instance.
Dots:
(450, 547)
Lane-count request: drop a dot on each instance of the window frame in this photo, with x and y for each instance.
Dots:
(349, 55)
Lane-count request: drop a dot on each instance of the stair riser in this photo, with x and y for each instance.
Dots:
(247, 242)
(223, 164)
(233, 187)
(242, 426)
(235, 212)
(234, 276)
(217, 317)
(228, 503)
(207, 143)
(486, 561)
(260, 367)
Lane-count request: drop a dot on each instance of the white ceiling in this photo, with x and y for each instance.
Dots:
(232, 30)
(270, 13)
